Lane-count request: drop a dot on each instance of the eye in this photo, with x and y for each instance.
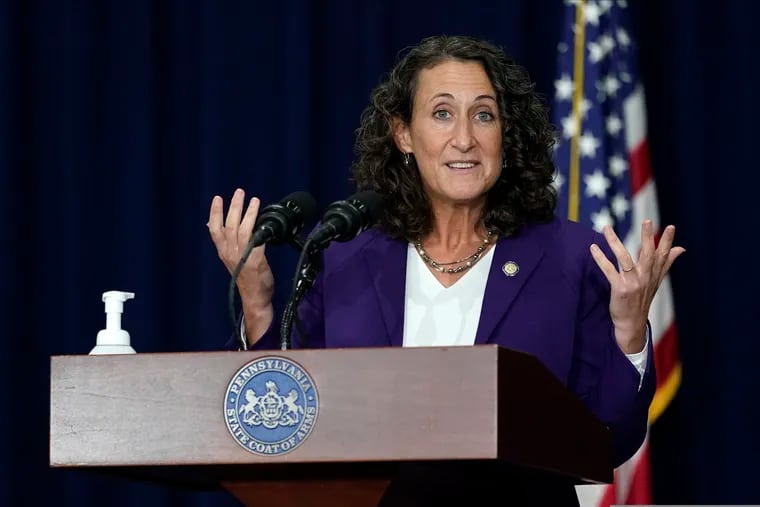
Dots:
(484, 116)
(441, 114)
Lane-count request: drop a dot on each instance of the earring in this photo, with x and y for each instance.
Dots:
(407, 159)
(503, 164)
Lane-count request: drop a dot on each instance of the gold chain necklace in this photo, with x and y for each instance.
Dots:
(462, 264)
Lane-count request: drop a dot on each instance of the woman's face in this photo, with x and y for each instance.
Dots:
(455, 133)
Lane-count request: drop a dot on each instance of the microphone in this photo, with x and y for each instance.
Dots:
(346, 219)
(280, 222)
(342, 221)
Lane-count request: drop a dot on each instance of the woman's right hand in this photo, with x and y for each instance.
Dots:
(255, 281)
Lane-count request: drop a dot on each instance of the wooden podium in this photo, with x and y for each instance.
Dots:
(162, 417)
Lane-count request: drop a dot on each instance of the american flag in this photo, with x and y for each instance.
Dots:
(604, 177)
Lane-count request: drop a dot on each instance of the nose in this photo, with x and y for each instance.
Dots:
(463, 138)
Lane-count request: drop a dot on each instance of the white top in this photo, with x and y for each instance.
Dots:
(449, 315)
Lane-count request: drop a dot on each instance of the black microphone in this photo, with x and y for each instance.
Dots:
(342, 221)
(346, 219)
(280, 222)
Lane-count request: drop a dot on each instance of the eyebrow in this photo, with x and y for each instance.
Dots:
(450, 96)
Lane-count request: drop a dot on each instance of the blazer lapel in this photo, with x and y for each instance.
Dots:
(386, 262)
(513, 262)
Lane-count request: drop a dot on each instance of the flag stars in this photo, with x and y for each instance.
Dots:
(558, 181)
(623, 38)
(609, 85)
(592, 13)
(618, 166)
(595, 52)
(613, 124)
(620, 206)
(585, 107)
(570, 126)
(593, 121)
(601, 218)
(564, 88)
(588, 144)
(600, 48)
(607, 42)
(596, 184)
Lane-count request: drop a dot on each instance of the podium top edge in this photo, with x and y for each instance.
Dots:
(274, 352)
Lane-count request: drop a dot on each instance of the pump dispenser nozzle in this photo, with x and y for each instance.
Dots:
(113, 339)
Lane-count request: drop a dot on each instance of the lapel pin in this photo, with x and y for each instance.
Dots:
(510, 268)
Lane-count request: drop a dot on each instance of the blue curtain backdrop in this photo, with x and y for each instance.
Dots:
(119, 120)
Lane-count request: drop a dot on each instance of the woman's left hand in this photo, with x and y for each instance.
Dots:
(634, 284)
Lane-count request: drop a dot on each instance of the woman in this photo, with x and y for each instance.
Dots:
(469, 249)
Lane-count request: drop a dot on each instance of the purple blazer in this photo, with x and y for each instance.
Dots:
(556, 308)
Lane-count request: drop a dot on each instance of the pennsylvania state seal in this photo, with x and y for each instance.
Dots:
(271, 406)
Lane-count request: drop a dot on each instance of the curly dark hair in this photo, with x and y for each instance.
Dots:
(523, 193)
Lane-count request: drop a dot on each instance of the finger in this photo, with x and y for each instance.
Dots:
(249, 220)
(665, 245)
(661, 254)
(624, 258)
(232, 223)
(608, 268)
(216, 212)
(646, 252)
(672, 256)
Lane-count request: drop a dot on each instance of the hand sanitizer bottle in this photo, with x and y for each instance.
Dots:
(113, 339)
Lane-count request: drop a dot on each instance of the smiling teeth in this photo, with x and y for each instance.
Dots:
(461, 165)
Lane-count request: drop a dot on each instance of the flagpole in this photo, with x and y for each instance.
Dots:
(573, 200)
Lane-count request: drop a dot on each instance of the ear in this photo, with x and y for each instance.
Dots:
(401, 135)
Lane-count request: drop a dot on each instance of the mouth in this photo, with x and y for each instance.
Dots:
(462, 165)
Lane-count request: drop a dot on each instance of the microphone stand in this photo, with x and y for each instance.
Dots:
(309, 265)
